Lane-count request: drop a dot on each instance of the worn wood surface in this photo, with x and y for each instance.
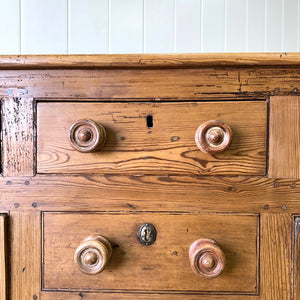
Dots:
(296, 258)
(147, 60)
(25, 255)
(139, 296)
(159, 79)
(276, 256)
(284, 158)
(237, 235)
(153, 85)
(17, 151)
(149, 193)
(3, 257)
(162, 193)
(167, 148)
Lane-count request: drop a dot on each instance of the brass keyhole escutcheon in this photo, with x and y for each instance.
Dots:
(147, 234)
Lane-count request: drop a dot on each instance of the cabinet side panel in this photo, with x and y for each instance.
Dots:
(25, 231)
(276, 260)
(3, 261)
(284, 160)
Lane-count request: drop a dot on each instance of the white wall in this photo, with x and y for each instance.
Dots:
(148, 26)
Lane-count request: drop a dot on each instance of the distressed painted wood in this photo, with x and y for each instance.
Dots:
(25, 255)
(236, 234)
(166, 147)
(3, 257)
(284, 159)
(17, 152)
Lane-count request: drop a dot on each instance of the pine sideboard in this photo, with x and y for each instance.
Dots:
(150, 176)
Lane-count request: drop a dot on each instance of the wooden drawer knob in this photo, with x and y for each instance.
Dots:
(87, 136)
(206, 258)
(93, 254)
(213, 137)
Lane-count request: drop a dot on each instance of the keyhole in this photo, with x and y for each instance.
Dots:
(147, 234)
(149, 120)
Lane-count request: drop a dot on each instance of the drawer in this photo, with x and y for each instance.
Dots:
(152, 138)
(163, 266)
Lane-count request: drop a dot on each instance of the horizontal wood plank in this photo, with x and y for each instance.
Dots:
(150, 193)
(155, 85)
(147, 60)
(168, 147)
(138, 296)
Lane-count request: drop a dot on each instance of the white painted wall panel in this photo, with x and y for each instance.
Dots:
(126, 26)
(159, 26)
(44, 26)
(188, 26)
(213, 26)
(256, 26)
(10, 27)
(149, 26)
(274, 25)
(88, 26)
(290, 25)
(236, 26)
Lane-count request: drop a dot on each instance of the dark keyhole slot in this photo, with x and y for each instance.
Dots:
(149, 121)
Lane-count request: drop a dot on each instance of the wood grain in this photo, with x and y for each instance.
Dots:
(154, 85)
(139, 296)
(147, 60)
(149, 193)
(17, 153)
(284, 160)
(237, 235)
(276, 260)
(167, 148)
(25, 255)
(3, 257)
(296, 258)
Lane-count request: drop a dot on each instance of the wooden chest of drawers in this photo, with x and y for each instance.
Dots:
(150, 177)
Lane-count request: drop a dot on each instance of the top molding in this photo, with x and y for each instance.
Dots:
(127, 61)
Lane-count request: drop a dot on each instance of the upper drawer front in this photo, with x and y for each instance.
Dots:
(163, 266)
(153, 138)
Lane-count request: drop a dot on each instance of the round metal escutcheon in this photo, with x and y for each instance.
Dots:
(147, 234)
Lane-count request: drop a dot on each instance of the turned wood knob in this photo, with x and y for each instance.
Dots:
(213, 137)
(87, 136)
(206, 258)
(93, 254)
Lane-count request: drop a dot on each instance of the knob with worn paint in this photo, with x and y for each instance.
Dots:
(206, 258)
(87, 136)
(93, 254)
(213, 137)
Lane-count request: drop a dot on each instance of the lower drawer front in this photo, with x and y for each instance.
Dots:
(163, 266)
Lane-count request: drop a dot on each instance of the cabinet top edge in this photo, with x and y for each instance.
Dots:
(127, 61)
